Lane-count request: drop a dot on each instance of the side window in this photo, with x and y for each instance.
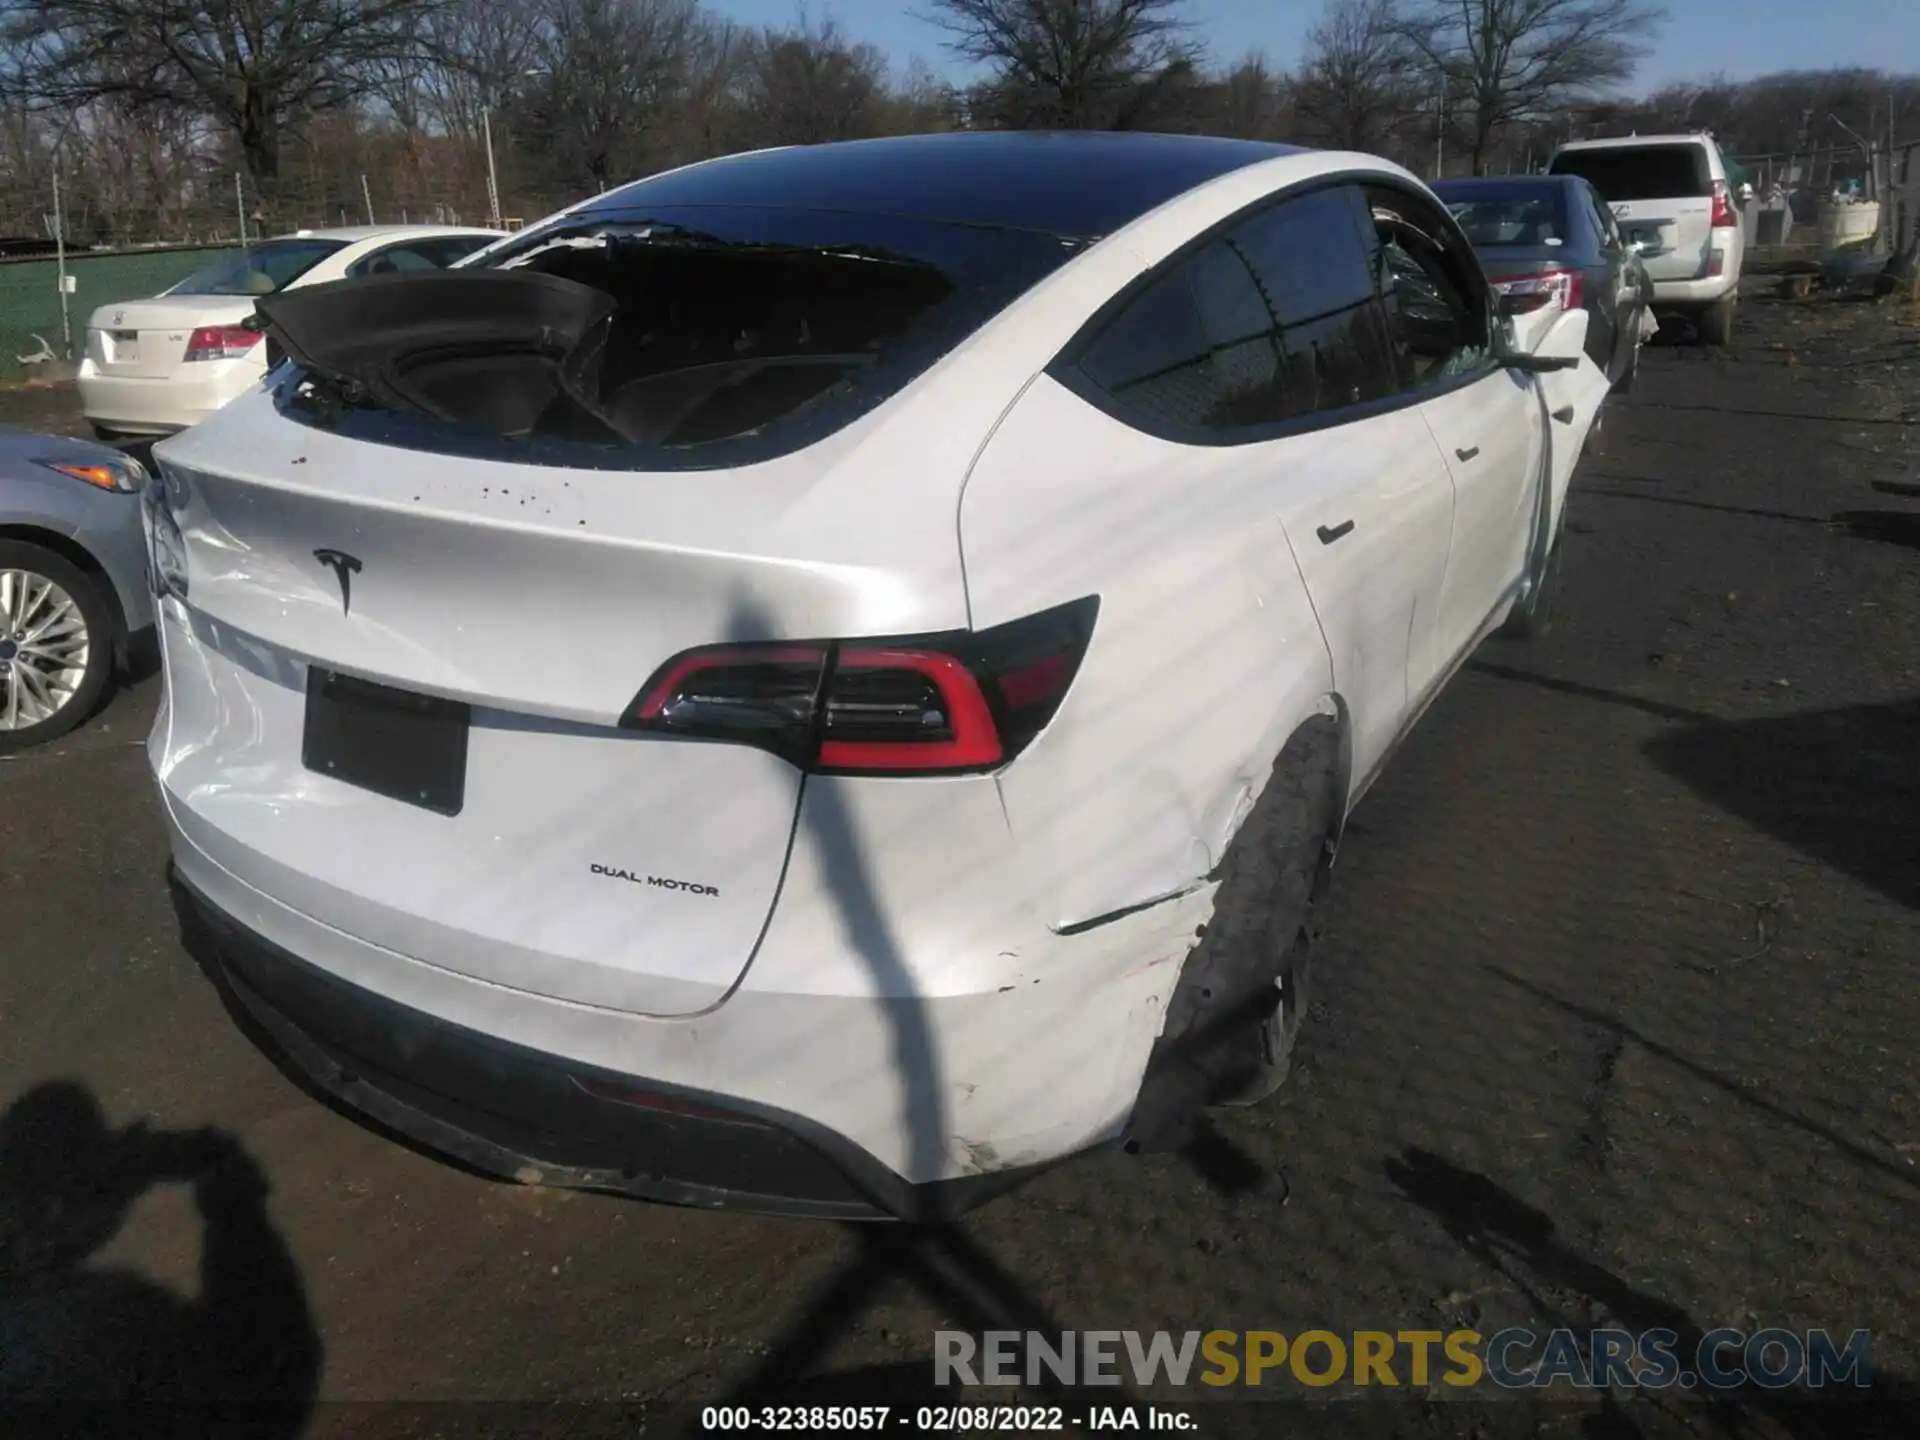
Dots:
(444, 252)
(1602, 217)
(1438, 315)
(414, 255)
(1294, 280)
(1153, 357)
(1276, 319)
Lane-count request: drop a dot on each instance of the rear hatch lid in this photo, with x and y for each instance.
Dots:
(507, 829)
(514, 519)
(1661, 194)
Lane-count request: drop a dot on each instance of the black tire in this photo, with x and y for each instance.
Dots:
(1716, 323)
(98, 613)
(1234, 1019)
(1533, 617)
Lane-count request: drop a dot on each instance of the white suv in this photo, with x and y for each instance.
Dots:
(826, 678)
(1671, 198)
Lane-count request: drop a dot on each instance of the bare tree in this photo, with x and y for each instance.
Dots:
(253, 65)
(807, 86)
(608, 73)
(1508, 60)
(922, 101)
(1073, 64)
(1250, 102)
(475, 55)
(1356, 88)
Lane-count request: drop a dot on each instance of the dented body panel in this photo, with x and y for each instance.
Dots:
(952, 974)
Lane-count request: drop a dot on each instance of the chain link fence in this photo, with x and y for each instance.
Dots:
(134, 222)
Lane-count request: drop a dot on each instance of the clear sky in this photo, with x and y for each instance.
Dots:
(1741, 38)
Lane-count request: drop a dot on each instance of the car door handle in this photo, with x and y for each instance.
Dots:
(1467, 452)
(1328, 536)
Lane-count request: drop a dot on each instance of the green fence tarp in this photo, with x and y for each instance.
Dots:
(30, 296)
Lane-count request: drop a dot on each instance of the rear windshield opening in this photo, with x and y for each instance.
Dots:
(700, 340)
(1641, 172)
(710, 344)
(259, 269)
(1524, 215)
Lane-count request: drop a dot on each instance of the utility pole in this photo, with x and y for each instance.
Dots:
(366, 195)
(493, 181)
(1440, 132)
(60, 257)
(240, 208)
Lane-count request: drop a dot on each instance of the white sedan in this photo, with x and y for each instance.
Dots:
(828, 678)
(156, 366)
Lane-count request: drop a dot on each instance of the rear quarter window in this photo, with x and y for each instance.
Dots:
(259, 269)
(1640, 172)
(1509, 215)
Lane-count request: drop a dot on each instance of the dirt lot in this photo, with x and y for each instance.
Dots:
(1614, 1024)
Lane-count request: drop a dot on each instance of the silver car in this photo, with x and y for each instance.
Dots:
(75, 609)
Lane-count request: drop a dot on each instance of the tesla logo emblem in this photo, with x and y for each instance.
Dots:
(1621, 212)
(119, 317)
(344, 567)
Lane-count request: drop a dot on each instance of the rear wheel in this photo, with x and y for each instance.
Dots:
(56, 644)
(1234, 1020)
(1716, 323)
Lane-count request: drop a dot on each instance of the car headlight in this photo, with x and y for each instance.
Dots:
(166, 546)
(121, 472)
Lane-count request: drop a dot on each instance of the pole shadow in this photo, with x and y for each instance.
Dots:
(1895, 527)
(1858, 1153)
(935, 1255)
(1568, 1290)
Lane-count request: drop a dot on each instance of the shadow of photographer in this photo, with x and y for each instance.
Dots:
(80, 1339)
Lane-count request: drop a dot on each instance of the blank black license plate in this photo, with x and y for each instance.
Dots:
(393, 742)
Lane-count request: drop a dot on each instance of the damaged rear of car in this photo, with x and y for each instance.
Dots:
(578, 751)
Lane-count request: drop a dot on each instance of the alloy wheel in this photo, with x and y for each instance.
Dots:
(44, 648)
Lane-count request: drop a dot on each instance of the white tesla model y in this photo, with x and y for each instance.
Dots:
(826, 679)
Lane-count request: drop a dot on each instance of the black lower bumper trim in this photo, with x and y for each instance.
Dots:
(521, 1115)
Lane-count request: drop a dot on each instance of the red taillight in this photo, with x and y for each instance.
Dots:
(221, 342)
(1554, 287)
(941, 704)
(1723, 216)
(900, 709)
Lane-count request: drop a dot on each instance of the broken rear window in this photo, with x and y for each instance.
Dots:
(697, 337)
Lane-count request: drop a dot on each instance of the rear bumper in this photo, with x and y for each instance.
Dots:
(905, 1010)
(920, 1104)
(528, 1117)
(143, 406)
(1694, 294)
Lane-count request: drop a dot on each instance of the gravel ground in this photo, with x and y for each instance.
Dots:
(1613, 1024)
